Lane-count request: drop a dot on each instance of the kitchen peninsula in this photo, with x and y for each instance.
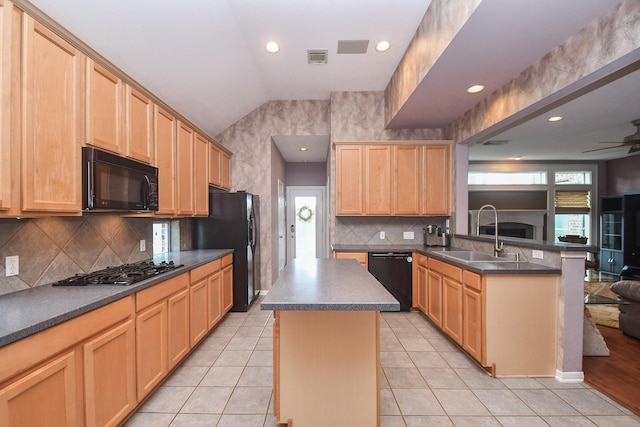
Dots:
(327, 343)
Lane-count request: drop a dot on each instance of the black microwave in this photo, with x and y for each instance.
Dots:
(113, 183)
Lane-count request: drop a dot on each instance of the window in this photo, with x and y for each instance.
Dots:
(572, 178)
(507, 178)
(161, 237)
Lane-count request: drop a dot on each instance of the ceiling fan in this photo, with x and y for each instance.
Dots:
(632, 141)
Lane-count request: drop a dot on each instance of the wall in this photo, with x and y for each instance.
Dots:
(306, 174)
(250, 141)
(623, 175)
(55, 248)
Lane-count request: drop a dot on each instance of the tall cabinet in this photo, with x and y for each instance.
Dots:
(619, 232)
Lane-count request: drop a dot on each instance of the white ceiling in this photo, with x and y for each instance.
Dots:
(207, 59)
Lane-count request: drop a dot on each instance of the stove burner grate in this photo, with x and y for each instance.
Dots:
(124, 275)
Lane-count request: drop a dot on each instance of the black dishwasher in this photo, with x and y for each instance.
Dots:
(393, 270)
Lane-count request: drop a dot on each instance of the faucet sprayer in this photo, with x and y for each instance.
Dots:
(498, 245)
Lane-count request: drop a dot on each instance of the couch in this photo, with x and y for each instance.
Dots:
(629, 292)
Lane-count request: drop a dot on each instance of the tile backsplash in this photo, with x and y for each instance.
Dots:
(366, 230)
(54, 248)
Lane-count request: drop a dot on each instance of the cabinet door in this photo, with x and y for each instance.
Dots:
(198, 311)
(165, 143)
(422, 289)
(5, 106)
(45, 397)
(109, 376)
(452, 309)
(185, 164)
(435, 187)
(178, 329)
(434, 297)
(377, 180)
(214, 293)
(225, 171)
(227, 288)
(215, 163)
(51, 137)
(104, 108)
(139, 126)
(201, 177)
(472, 330)
(349, 186)
(151, 348)
(406, 179)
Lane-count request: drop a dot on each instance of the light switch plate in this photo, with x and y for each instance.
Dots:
(407, 235)
(12, 265)
(382, 235)
(143, 245)
(537, 254)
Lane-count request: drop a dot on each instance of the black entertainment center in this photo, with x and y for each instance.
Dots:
(620, 234)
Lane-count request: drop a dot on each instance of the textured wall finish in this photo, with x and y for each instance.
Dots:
(54, 248)
(623, 175)
(250, 141)
(603, 47)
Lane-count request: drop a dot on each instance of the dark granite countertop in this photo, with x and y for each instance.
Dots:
(29, 311)
(328, 285)
(436, 252)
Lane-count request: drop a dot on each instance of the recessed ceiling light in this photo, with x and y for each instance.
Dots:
(304, 149)
(383, 46)
(272, 47)
(475, 89)
(517, 158)
(555, 119)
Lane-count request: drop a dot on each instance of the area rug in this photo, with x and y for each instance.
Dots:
(603, 314)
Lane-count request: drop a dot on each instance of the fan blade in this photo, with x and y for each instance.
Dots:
(605, 148)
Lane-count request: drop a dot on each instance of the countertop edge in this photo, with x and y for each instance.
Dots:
(329, 307)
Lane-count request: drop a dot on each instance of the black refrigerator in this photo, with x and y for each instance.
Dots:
(233, 224)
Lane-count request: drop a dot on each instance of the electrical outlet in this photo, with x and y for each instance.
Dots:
(407, 235)
(382, 235)
(537, 254)
(12, 265)
(143, 245)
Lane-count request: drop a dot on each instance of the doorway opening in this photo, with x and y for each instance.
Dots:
(306, 223)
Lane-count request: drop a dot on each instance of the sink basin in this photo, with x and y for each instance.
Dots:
(472, 256)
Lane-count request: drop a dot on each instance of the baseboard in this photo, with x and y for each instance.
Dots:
(570, 377)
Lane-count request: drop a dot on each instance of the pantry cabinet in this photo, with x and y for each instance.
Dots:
(104, 112)
(393, 179)
(139, 126)
(165, 125)
(52, 126)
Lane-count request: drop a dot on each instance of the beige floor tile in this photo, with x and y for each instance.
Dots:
(503, 402)
(248, 400)
(545, 402)
(207, 400)
(460, 402)
(417, 402)
(256, 376)
(167, 399)
(195, 420)
(219, 376)
(404, 378)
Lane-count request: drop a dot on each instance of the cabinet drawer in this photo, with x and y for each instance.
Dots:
(446, 269)
(471, 280)
(227, 260)
(161, 291)
(205, 270)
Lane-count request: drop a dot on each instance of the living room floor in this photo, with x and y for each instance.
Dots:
(426, 380)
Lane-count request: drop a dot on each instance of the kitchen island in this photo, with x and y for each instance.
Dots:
(327, 343)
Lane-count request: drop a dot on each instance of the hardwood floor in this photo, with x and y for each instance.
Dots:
(616, 375)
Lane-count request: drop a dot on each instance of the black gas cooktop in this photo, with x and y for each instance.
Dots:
(124, 275)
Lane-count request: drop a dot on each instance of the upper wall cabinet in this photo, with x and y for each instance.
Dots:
(201, 177)
(139, 113)
(184, 171)
(165, 144)
(104, 102)
(52, 128)
(392, 179)
(219, 167)
(5, 106)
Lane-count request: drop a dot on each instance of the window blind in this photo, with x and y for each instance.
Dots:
(568, 202)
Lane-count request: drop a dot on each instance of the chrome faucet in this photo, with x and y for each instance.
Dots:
(499, 246)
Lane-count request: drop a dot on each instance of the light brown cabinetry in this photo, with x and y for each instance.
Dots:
(420, 282)
(104, 112)
(225, 171)
(184, 171)
(201, 176)
(434, 297)
(52, 130)
(109, 376)
(472, 314)
(165, 143)
(452, 309)
(377, 180)
(436, 179)
(219, 167)
(162, 331)
(393, 179)
(227, 283)
(198, 300)
(361, 257)
(406, 179)
(5, 106)
(139, 126)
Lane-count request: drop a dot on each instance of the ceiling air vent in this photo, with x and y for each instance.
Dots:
(353, 46)
(496, 142)
(317, 56)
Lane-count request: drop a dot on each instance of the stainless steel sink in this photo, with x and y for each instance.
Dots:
(472, 256)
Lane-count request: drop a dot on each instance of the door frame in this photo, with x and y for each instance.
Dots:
(322, 235)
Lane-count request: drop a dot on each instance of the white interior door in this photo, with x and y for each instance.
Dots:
(306, 222)
(282, 227)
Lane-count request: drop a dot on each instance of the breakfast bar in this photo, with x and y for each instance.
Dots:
(327, 343)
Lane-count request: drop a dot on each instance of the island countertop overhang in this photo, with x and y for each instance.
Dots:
(328, 285)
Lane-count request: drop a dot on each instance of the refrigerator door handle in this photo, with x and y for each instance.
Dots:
(252, 232)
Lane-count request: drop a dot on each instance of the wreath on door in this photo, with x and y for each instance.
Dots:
(305, 214)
